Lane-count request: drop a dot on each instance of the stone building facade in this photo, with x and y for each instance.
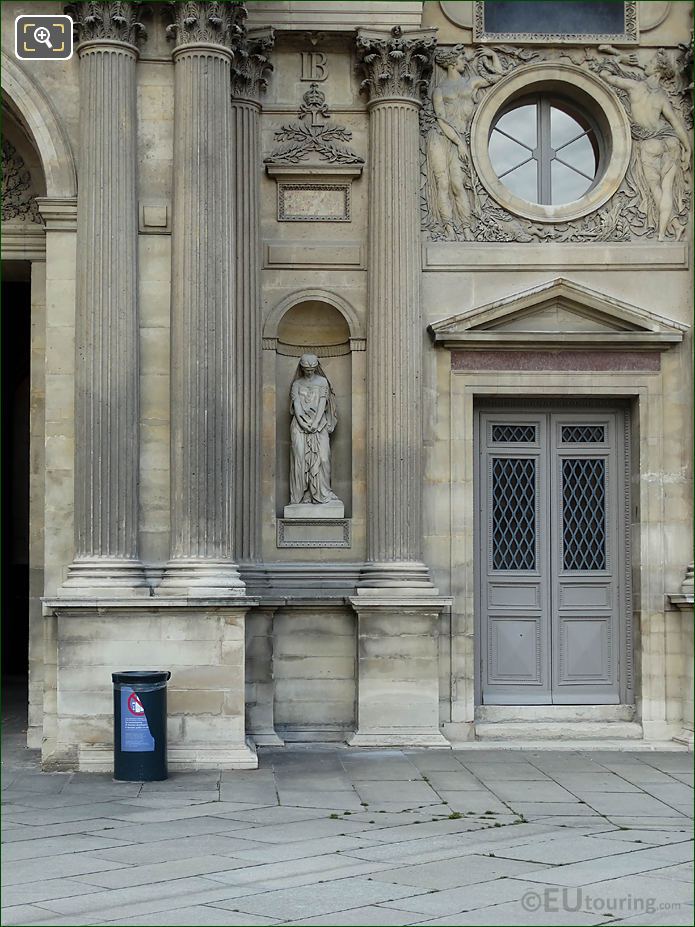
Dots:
(478, 217)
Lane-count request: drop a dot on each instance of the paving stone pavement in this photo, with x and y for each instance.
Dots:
(331, 836)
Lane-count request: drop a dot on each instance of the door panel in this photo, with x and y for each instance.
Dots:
(585, 501)
(514, 531)
(551, 513)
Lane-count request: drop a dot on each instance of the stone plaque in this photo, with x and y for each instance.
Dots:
(313, 202)
(308, 532)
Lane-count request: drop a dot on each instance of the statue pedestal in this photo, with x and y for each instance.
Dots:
(309, 524)
(313, 510)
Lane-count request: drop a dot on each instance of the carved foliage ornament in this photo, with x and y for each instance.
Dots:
(115, 22)
(251, 63)
(18, 200)
(653, 200)
(396, 65)
(217, 23)
(300, 139)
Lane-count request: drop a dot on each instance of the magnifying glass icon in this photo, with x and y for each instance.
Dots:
(43, 36)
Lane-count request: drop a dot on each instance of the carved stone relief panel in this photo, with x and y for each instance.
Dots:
(652, 91)
(313, 202)
(18, 196)
(313, 135)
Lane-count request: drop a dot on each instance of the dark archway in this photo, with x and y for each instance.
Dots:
(16, 362)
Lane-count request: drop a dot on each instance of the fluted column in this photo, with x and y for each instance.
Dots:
(396, 66)
(203, 348)
(106, 327)
(249, 71)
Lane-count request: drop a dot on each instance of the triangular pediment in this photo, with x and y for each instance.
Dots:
(558, 312)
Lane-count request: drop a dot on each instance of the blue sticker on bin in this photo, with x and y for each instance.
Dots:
(135, 731)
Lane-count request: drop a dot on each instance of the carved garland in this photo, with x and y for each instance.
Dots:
(18, 199)
(300, 139)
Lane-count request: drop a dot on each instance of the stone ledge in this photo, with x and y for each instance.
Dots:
(98, 758)
(453, 256)
(217, 603)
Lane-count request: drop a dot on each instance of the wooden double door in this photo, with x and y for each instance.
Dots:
(552, 527)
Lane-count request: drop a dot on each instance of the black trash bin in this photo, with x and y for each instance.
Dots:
(140, 725)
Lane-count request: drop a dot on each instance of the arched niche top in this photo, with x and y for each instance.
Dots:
(272, 323)
(33, 107)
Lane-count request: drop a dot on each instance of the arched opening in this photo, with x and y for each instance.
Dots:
(37, 162)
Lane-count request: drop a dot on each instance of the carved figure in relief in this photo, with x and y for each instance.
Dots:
(449, 168)
(314, 417)
(661, 148)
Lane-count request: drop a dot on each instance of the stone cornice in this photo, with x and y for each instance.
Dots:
(251, 63)
(210, 23)
(114, 22)
(396, 64)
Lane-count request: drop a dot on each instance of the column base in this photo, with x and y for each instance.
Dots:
(201, 578)
(105, 577)
(266, 739)
(398, 670)
(403, 738)
(409, 576)
(686, 737)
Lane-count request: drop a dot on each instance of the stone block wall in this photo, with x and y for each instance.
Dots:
(314, 651)
(202, 646)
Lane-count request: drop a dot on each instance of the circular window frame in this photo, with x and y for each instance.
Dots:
(585, 91)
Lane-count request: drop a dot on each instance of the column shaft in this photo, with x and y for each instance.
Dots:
(246, 146)
(203, 343)
(394, 357)
(106, 379)
(396, 66)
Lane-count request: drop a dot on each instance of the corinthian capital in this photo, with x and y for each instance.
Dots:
(251, 62)
(396, 63)
(216, 23)
(115, 22)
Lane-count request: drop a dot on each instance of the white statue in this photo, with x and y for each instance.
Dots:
(448, 156)
(314, 417)
(661, 148)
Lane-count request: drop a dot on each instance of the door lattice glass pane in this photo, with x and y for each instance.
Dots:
(583, 434)
(513, 434)
(584, 514)
(513, 514)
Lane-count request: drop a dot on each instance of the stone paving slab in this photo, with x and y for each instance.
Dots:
(685, 916)
(315, 900)
(515, 913)
(326, 835)
(459, 870)
(200, 915)
(381, 915)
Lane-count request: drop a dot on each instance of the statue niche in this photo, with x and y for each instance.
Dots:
(313, 421)
(314, 418)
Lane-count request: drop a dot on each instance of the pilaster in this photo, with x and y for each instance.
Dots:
(203, 336)
(260, 685)
(396, 67)
(249, 70)
(684, 602)
(106, 329)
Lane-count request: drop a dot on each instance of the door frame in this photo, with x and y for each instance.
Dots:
(587, 404)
